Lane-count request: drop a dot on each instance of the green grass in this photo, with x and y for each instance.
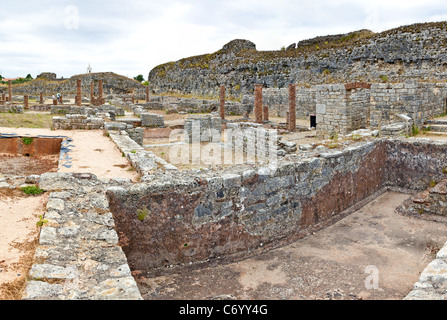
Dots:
(27, 141)
(32, 190)
(142, 214)
(26, 120)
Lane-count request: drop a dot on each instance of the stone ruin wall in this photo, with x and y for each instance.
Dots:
(409, 52)
(213, 217)
(236, 213)
(209, 217)
(344, 108)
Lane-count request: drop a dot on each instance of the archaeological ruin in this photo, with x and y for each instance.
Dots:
(236, 154)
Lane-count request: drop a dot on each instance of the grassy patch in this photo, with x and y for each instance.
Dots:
(26, 120)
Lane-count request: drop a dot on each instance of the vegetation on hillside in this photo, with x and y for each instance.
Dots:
(323, 49)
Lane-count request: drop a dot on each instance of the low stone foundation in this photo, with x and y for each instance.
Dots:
(176, 219)
(203, 129)
(90, 111)
(29, 145)
(77, 122)
(150, 120)
(145, 162)
(8, 108)
(79, 255)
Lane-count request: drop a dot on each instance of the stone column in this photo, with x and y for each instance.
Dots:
(292, 107)
(41, 98)
(62, 99)
(147, 94)
(26, 101)
(78, 95)
(133, 98)
(222, 102)
(92, 93)
(3, 97)
(10, 90)
(258, 102)
(100, 94)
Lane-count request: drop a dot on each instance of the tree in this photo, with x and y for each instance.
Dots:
(29, 76)
(139, 78)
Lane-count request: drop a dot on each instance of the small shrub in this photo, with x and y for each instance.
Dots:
(41, 221)
(27, 141)
(32, 190)
(433, 183)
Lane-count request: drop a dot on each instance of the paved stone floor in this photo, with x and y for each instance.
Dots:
(339, 262)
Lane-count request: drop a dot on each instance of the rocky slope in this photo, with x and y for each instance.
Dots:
(416, 51)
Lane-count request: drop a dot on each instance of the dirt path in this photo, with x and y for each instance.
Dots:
(18, 238)
(334, 263)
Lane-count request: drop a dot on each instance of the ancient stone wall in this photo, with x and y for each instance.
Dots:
(229, 214)
(342, 109)
(8, 108)
(77, 122)
(412, 165)
(251, 142)
(150, 120)
(277, 101)
(332, 110)
(173, 220)
(79, 256)
(420, 101)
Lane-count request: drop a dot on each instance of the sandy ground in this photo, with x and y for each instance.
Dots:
(18, 216)
(329, 264)
(340, 262)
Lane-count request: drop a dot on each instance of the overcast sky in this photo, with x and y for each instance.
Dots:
(131, 37)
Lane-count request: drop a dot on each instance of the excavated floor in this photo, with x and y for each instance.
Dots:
(334, 263)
